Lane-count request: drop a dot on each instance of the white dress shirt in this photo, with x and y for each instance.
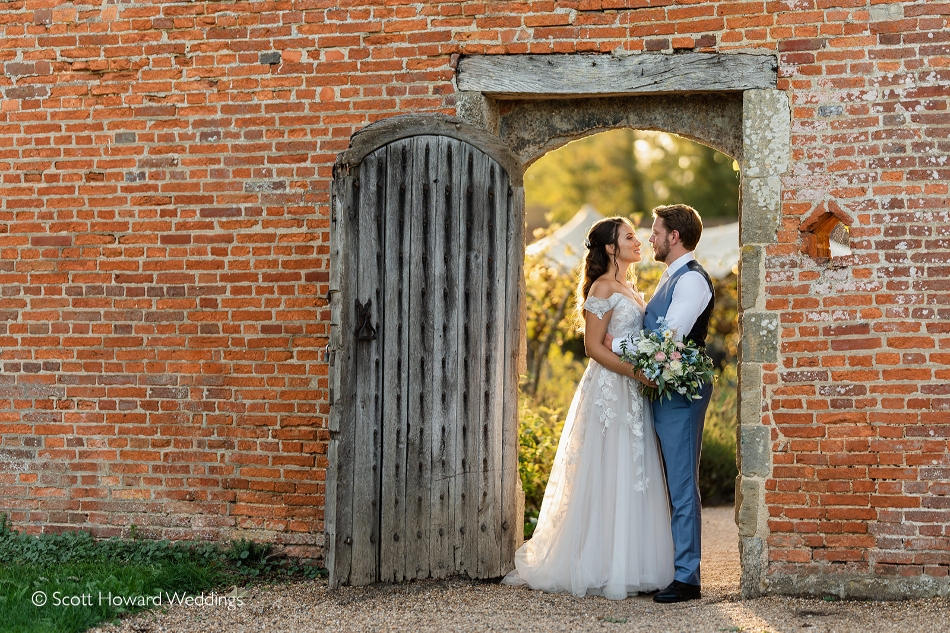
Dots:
(690, 297)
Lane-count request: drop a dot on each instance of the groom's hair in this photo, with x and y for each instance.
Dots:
(684, 219)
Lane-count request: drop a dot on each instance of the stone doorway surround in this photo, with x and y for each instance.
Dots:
(538, 103)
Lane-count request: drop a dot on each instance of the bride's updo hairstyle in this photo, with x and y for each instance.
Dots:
(596, 258)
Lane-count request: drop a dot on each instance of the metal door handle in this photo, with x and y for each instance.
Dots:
(364, 330)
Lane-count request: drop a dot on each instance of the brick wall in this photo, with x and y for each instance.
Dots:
(164, 238)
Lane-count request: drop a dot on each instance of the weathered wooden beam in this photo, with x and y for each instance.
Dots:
(513, 76)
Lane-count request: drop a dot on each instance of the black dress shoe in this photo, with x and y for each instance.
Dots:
(678, 592)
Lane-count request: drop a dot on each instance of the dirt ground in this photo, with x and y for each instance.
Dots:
(464, 605)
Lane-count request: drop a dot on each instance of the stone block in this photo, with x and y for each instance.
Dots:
(748, 492)
(533, 127)
(766, 133)
(857, 586)
(751, 276)
(750, 394)
(885, 12)
(761, 210)
(755, 449)
(477, 109)
(759, 334)
(751, 554)
(270, 58)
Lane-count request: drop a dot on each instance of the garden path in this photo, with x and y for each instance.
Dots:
(463, 605)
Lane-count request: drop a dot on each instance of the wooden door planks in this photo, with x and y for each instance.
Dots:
(471, 339)
(419, 353)
(339, 496)
(367, 249)
(395, 332)
(421, 478)
(445, 286)
(512, 496)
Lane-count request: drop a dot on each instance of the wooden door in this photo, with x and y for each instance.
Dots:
(427, 258)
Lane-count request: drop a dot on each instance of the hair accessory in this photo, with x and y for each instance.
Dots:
(587, 244)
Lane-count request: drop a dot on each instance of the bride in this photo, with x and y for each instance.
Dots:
(604, 527)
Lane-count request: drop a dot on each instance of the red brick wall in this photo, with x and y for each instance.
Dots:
(165, 180)
(860, 401)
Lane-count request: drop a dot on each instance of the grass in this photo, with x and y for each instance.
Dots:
(80, 595)
(68, 582)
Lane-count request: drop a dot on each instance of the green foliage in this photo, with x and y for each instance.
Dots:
(550, 316)
(717, 465)
(549, 386)
(80, 594)
(723, 341)
(628, 172)
(648, 276)
(537, 442)
(80, 547)
(83, 573)
(251, 559)
(561, 373)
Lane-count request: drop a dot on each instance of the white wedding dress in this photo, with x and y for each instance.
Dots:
(604, 527)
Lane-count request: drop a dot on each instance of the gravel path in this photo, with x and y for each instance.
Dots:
(464, 605)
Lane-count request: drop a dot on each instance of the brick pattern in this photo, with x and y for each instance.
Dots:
(164, 240)
(859, 400)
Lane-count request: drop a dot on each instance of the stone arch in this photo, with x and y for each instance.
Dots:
(532, 128)
(734, 108)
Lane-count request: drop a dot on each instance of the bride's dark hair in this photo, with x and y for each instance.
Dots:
(596, 258)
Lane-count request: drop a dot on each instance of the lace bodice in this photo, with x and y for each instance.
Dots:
(627, 315)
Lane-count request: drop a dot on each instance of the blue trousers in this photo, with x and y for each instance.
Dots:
(679, 427)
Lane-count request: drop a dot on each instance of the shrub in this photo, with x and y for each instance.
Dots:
(717, 466)
(541, 424)
(537, 443)
(554, 372)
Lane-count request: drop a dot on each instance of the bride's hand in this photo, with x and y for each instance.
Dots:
(642, 378)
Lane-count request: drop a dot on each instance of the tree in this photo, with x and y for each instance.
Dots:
(628, 172)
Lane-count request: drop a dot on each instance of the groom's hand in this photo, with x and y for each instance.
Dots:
(608, 340)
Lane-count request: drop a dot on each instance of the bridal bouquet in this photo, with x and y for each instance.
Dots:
(675, 367)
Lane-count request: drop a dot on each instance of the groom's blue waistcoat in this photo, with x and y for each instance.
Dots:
(661, 300)
(678, 423)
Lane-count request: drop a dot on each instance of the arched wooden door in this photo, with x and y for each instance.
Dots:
(426, 293)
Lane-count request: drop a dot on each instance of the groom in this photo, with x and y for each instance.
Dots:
(684, 296)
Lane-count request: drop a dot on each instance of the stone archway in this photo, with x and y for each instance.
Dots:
(537, 103)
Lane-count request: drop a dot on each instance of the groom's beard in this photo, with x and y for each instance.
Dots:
(662, 251)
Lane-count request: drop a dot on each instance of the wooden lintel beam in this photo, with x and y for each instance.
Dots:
(519, 76)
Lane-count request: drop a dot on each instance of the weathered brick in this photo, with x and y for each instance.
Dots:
(155, 244)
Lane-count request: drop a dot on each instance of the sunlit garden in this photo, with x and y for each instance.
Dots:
(627, 173)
